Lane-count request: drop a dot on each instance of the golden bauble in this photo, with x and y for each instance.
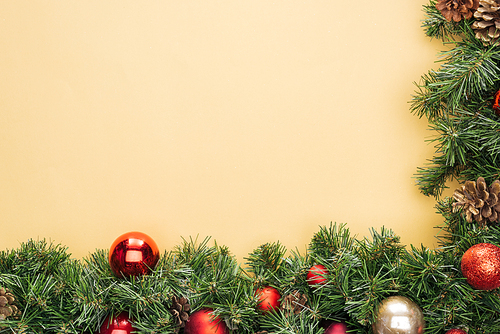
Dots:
(399, 315)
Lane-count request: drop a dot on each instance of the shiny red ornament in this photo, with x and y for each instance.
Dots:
(269, 298)
(336, 328)
(118, 325)
(316, 275)
(201, 322)
(133, 254)
(456, 331)
(496, 105)
(481, 266)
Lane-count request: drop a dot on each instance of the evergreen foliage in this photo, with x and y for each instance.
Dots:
(58, 294)
(457, 99)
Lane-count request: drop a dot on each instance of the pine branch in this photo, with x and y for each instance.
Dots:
(98, 262)
(280, 323)
(482, 166)
(266, 263)
(368, 288)
(193, 254)
(293, 275)
(452, 220)
(468, 70)
(33, 257)
(467, 147)
(91, 298)
(159, 321)
(455, 140)
(239, 309)
(431, 180)
(436, 26)
(31, 273)
(336, 291)
(383, 248)
(425, 269)
(216, 278)
(329, 241)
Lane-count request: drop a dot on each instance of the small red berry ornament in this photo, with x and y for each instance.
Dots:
(316, 275)
(201, 322)
(117, 325)
(269, 298)
(133, 254)
(456, 331)
(481, 266)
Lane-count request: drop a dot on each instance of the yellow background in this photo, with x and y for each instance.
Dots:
(247, 121)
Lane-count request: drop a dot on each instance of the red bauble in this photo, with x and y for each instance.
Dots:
(456, 331)
(481, 266)
(133, 254)
(269, 298)
(336, 328)
(200, 322)
(316, 275)
(119, 325)
(496, 104)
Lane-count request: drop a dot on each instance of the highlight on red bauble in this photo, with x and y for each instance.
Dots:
(269, 298)
(117, 325)
(202, 322)
(316, 275)
(133, 254)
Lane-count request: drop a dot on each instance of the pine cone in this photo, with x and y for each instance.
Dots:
(478, 201)
(180, 310)
(294, 303)
(487, 24)
(457, 9)
(7, 307)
